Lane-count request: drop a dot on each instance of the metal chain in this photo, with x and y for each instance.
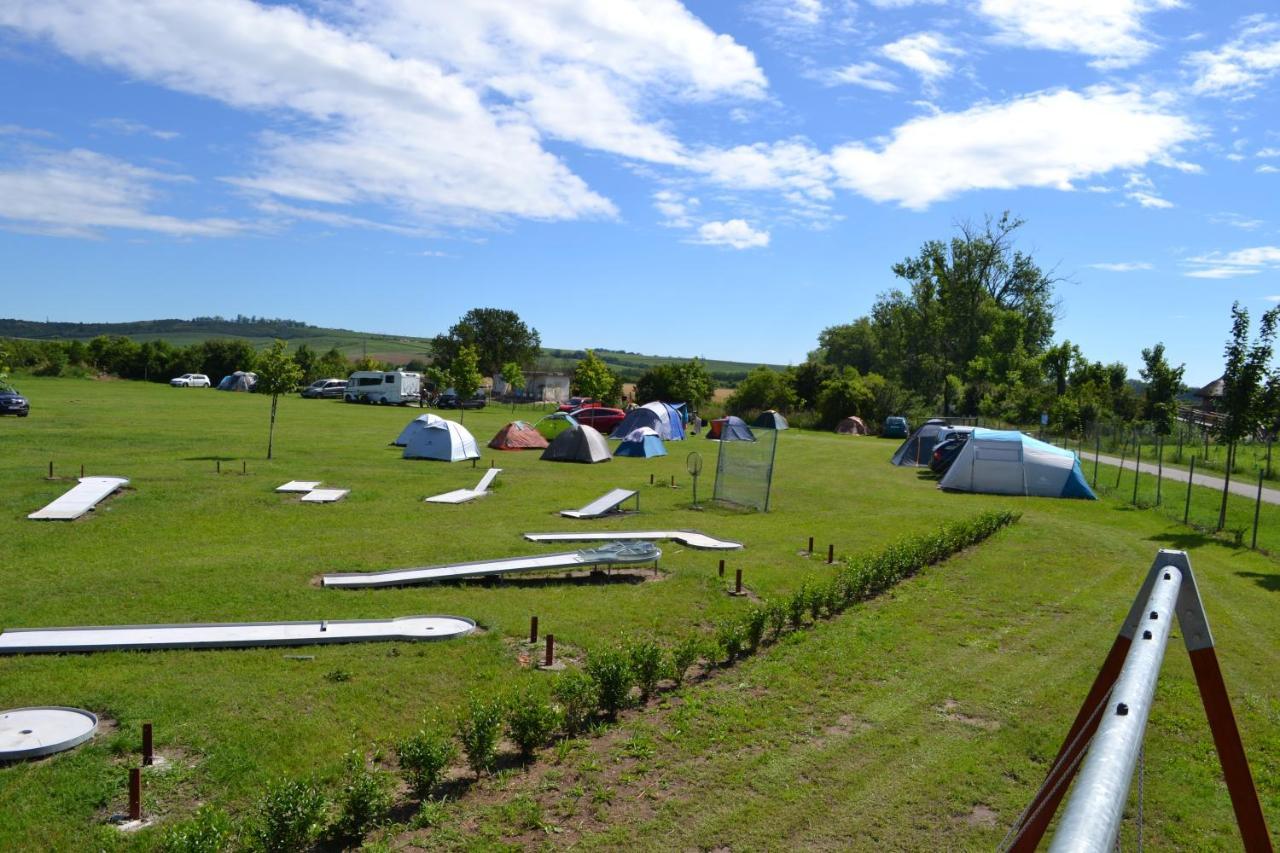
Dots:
(1028, 815)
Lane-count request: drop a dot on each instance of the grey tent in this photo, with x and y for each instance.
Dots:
(918, 448)
(852, 425)
(578, 443)
(238, 381)
(730, 429)
(770, 419)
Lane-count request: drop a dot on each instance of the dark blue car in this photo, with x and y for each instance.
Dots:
(13, 403)
(946, 451)
(896, 426)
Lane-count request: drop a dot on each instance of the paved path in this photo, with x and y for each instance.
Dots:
(1247, 488)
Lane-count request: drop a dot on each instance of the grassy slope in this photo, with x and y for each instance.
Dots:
(1012, 632)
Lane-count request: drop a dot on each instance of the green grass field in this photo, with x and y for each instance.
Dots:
(922, 720)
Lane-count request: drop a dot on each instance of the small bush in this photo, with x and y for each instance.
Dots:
(814, 598)
(610, 669)
(796, 606)
(575, 693)
(423, 757)
(646, 661)
(364, 802)
(729, 638)
(209, 830)
(531, 720)
(479, 727)
(754, 625)
(777, 612)
(289, 816)
(684, 655)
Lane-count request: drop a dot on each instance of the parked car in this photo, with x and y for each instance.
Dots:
(896, 426)
(13, 403)
(453, 401)
(946, 451)
(191, 380)
(578, 403)
(325, 388)
(600, 417)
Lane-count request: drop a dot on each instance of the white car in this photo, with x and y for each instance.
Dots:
(191, 380)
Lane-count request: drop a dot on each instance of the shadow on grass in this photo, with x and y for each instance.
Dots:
(210, 458)
(629, 576)
(1194, 539)
(1271, 583)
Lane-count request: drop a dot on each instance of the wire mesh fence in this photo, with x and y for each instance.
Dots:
(744, 470)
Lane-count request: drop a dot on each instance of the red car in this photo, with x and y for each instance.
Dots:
(599, 417)
(576, 403)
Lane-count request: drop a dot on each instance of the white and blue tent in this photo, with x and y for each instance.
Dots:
(1008, 462)
(415, 426)
(643, 442)
(448, 441)
(662, 418)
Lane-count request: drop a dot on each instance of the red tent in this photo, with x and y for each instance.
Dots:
(518, 435)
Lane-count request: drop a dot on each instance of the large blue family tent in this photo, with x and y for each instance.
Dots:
(1008, 462)
(918, 448)
(662, 418)
(643, 442)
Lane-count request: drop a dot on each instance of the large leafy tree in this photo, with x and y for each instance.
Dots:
(278, 374)
(763, 388)
(464, 373)
(1164, 384)
(593, 378)
(1244, 384)
(844, 394)
(498, 336)
(676, 382)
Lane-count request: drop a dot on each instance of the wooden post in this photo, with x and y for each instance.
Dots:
(1137, 469)
(831, 554)
(50, 469)
(1097, 452)
(1159, 466)
(737, 582)
(533, 629)
(148, 755)
(1186, 511)
(810, 546)
(722, 568)
(81, 470)
(135, 793)
(218, 467)
(551, 651)
(1257, 508)
(1123, 450)
(244, 467)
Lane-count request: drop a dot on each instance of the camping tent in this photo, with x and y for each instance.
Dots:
(770, 419)
(550, 426)
(662, 418)
(644, 442)
(414, 427)
(238, 381)
(730, 429)
(852, 425)
(1007, 462)
(440, 439)
(518, 435)
(578, 443)
(918, 447)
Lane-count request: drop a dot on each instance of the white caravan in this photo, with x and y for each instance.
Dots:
(374, 386)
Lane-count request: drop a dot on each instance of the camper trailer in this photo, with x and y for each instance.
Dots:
(375, 386)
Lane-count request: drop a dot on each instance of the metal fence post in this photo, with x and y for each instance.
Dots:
(1159, 467)
(1257, 508)
(1186, 512)
(1097, 451)
(1137, 468)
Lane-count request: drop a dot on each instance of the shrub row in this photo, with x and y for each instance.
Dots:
(293, 814)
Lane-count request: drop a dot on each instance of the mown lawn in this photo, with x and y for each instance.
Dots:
(1011, 632)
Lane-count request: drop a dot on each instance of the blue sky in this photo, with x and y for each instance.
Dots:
(717, 179)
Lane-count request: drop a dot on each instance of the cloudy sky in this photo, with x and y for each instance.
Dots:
(715, 178)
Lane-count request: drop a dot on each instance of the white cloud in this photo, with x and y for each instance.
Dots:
(1141, 189)
(79, 193)
(735, 233)
(434, 111)
(1267, 169)
(786, 166)
(1241, 262)
(1122, 266)
(1240, 66)
(1235, 220)
(676, 207)
(923, 53)
(1111, 31)
(1267, 153)
(870, 75)
(1272, 298)
(127, 127)
(1047, 139)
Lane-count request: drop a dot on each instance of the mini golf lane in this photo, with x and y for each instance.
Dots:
(691, 538)
(617, 552)
(231, 635)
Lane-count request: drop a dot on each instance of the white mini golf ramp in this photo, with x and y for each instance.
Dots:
(231, 635)
(325, 496)
(691, 538)
(302, 486)
(84, 496)
(607, 555)
(35, 732)
(461, 496)
(604, 505)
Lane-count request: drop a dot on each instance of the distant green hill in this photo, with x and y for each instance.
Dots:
(396, 349)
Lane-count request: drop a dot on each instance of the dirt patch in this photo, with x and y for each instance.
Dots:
(981, 815)
(950, 710)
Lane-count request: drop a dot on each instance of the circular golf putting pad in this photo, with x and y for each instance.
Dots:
(33, 732)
